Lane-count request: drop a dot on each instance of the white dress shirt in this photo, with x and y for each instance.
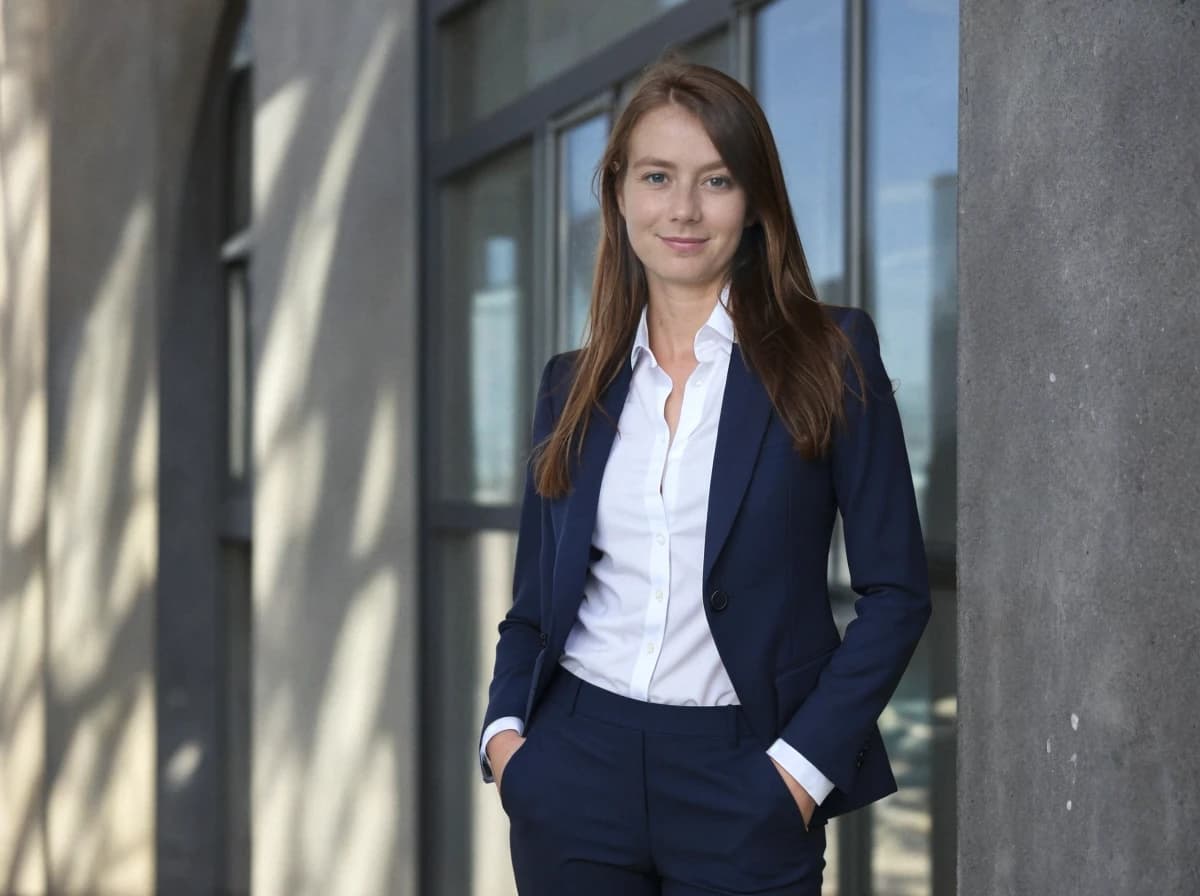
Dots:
(641, 630)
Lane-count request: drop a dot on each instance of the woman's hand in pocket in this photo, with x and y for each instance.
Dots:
(500, 750)
(805, 803)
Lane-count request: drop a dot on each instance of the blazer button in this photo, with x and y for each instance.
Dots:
(718, 600)
(543, 639)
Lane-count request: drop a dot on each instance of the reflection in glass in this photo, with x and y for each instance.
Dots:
(799, 68)
(580, 148)
(237, 375)
(911, 153)
(481, 411)
(470, 832)
(715, 50)
(238, 150)
(496, 50)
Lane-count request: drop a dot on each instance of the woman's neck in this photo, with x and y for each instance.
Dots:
(674, 316)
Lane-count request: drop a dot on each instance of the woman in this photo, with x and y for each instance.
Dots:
(672, 710)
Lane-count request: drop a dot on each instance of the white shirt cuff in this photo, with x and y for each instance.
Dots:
(507, 723)
(809, 776)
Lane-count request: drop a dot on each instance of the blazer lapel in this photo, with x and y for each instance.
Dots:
(745, 410)
(571, 559)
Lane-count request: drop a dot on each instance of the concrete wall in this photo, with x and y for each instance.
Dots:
(103, 430)
(97, 113)
(1079, 483)
(335, 334)
(24, 219)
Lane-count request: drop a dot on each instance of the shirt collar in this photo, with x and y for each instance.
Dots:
(717, 331)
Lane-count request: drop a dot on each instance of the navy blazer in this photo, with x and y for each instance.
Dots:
(770, 520)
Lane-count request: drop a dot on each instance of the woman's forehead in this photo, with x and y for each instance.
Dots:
(671, 134)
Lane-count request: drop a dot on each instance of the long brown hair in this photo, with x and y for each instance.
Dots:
(786, 337)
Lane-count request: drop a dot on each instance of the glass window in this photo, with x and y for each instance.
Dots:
(470, 831)
(714, 50)
(238, 142)
(237, 375)
(580, 148)
(911, 194)
(496, 50)
(482, 411)
(235, 550)
(799, 73)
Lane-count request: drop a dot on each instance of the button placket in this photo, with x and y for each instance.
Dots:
(654, 617)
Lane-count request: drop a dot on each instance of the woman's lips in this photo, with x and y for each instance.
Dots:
(684, 245)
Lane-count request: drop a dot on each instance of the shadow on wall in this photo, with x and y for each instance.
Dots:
(334, 703)
(334, 664)
(23, 211)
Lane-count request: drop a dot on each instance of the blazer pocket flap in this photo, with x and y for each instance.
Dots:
(794, 685)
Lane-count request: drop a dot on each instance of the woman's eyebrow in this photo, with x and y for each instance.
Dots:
(650, 162)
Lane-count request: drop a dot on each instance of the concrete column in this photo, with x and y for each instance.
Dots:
(24, 224)
(335, 411)
(1079, 466)
(102, 512)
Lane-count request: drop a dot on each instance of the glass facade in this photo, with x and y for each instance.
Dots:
(799, 70)
(496, 51)
(862, 99)
(579, 150)
(235, 545)
(485, 287)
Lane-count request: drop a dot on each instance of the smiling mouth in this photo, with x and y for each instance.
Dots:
(683, 243)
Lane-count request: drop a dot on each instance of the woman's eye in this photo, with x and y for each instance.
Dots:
(655, 177)
(719, 181)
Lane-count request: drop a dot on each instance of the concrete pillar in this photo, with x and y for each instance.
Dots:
(334, 528)
(1079, 466)
(101, 508)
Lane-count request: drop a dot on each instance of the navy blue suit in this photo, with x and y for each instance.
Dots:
(770, 520)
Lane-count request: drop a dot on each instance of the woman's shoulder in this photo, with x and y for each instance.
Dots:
(560, 369)
(856, 323)
(557, 376)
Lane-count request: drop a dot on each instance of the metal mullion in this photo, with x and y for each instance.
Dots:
(522, 117)
(463, 516)
(537, 336)
(855, 196)
(855, 832)
(238, 248)
(441, 10)
(742, 34)
(237, 514)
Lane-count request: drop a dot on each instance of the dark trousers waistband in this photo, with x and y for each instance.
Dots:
(571, 695)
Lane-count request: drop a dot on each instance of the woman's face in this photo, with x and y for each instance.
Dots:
(683, 213)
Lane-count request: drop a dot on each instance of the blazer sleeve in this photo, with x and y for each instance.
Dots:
(888, 572)
(520, 631)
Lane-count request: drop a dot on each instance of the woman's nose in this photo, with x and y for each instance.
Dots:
(685, 205)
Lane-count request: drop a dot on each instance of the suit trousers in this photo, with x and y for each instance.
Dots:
(610, 795)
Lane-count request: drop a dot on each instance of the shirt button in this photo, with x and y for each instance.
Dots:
(660, 538)
(658, 595)
(649, 648)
